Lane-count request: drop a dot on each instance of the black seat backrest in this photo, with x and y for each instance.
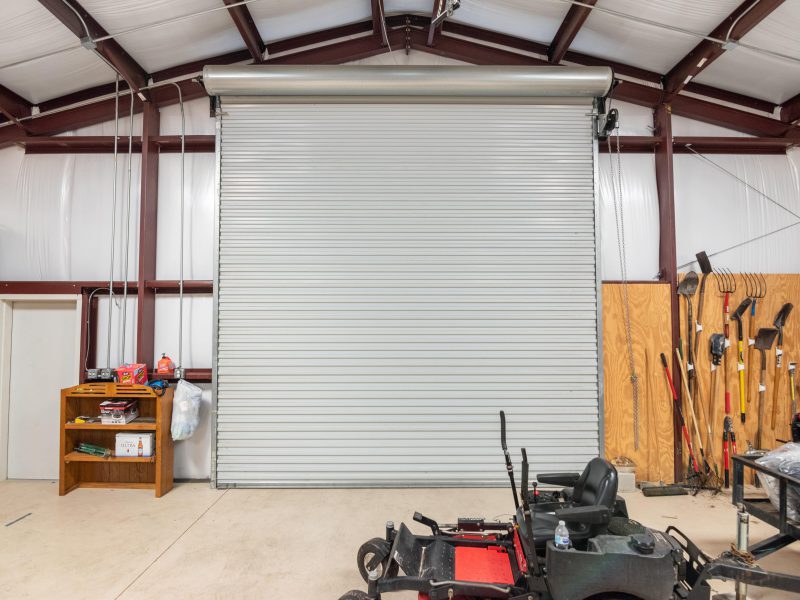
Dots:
(597, 485)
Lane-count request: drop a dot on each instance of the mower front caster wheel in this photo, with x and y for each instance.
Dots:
(373, 556)
(355, 595)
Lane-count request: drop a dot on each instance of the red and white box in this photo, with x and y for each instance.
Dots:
(135, 374)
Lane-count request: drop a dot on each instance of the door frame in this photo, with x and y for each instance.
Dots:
(6, 319)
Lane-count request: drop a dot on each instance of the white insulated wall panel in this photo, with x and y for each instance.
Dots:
(390, 277)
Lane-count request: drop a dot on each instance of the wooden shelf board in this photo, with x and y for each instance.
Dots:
(118, 485)
(81, 457)
(132, 426)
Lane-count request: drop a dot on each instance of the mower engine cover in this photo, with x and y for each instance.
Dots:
(643, 565)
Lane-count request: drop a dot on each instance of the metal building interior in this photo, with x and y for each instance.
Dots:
(271, 271)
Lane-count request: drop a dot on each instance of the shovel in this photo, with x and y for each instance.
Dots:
(705, 268)
(780, 321)
(764, 340)
(737, 316)
(687, 288)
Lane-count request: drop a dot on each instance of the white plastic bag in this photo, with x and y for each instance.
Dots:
(786, 460)
(185, 410)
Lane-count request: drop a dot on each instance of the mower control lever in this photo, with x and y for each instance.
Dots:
(428, 522)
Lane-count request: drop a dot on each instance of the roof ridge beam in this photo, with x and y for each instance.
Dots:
(570, 26)
(746, 16)
(243, 19)
(108, 50)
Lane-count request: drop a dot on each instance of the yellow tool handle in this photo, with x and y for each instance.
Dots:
(742, 404)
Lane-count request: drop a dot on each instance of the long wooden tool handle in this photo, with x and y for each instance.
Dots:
(742, 389)
(699, 319)
(690, 403)
(762, 392)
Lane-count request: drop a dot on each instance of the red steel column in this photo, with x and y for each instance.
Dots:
(667, 251)
(148, 219)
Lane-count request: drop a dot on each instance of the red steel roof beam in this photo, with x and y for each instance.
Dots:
(749, 14)
(570, 26)
(790, 110)
(241, 17)
(12, 105)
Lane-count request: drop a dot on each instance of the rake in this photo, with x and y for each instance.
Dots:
(755, 289)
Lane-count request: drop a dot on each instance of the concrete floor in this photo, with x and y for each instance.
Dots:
(202, 543)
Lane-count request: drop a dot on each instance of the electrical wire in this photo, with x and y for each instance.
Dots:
(127, 239)
(183, 193)
(113, 223)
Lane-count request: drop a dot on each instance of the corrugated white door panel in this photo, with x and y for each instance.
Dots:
(390, 277)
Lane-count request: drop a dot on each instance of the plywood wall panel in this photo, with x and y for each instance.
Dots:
(650, 328)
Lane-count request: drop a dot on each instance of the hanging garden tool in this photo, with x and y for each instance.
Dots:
(737, 316)
(766, 336)
(705, 268)
(792, 390)
(717, 346)
(726, 285)
(690, 402)
(756, 289)
(727, 432)
(692, 459)
(780, 321)
(687, 289)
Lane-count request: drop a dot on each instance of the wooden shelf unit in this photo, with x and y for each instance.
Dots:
(84, 470)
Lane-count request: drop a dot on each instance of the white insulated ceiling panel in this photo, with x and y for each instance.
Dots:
(281, 19)
(28, 30)
(536, 20)
(758, 74)
(649, 46)
(183, 41)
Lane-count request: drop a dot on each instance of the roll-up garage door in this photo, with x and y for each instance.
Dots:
(390, 276)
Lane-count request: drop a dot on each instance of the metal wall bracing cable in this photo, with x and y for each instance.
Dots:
(619, 216)
(180, 277)
(756, 190)
(113, 224)
(127, 239)
(742, 181)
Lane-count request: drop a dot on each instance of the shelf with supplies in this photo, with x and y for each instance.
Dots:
(79, 469)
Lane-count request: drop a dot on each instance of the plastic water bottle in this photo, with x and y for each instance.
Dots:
(562, 536)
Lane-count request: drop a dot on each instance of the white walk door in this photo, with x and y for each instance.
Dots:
(43, 360)
(393, 275)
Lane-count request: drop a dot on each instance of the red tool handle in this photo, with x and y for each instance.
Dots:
(680, 413)
(727, 403)
(727, 458)
(726, 309)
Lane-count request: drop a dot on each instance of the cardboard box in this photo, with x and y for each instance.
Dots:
(132, 374)
(118, 412)
(134, 444)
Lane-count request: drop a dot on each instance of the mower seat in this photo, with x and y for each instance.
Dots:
(595, 488)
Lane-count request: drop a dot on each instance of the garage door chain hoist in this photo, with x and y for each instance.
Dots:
(619, 216)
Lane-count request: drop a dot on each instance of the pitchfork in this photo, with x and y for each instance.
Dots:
(756, 289)
(726, 284)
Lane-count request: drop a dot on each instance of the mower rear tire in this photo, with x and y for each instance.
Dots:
(355, 595)
(375, 551)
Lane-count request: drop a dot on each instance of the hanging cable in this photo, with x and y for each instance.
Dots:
(127, 240)
(179, 370)
(619, 216)
(113, 224)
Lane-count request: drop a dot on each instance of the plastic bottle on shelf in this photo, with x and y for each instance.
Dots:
(562, 536)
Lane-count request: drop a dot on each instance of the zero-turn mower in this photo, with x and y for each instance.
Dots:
(610, 557)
